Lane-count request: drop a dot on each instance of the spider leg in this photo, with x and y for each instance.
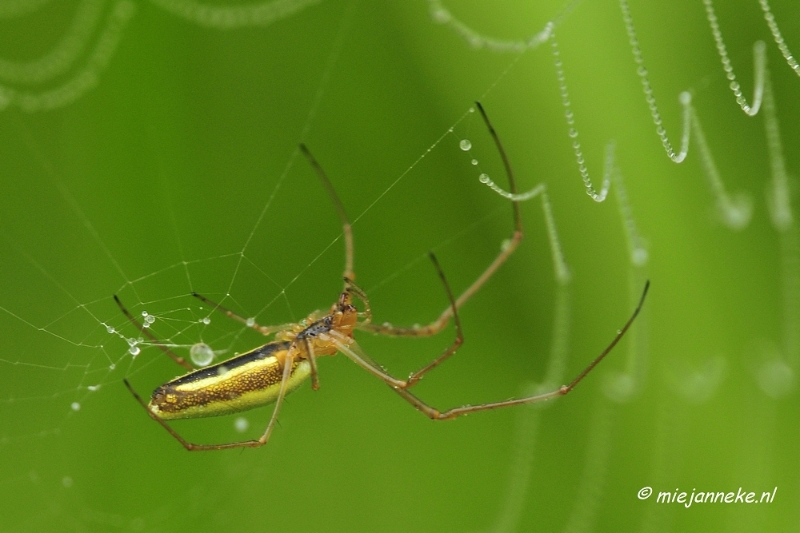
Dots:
(347, 228)
(362, 359)
(354, 352)
(249, 322)
(458, 341)
(312, 361)
(149, 334)
(507, 249)
(356, 291)
(287, 370)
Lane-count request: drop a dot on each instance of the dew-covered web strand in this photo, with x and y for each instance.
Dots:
(735, 210)
(778, 37)
(441, 15)
(641, 71)
(573, 131)
(727, 66)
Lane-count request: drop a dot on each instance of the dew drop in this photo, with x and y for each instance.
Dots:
(110, 329)
(201, 354)
(75, 406)
(134, 350)
(465, 144)
(440, 15)
(149, 319)
(112, 366)
(241, 424)
(639, 257)
(484, 178)
(206, 320)
(250, 322)
(475, 162)
(93, 388)
(222, 370)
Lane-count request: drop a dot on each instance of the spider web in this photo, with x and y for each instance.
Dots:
(157, 156)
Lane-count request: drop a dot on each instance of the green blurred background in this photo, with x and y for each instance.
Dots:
(178, 171)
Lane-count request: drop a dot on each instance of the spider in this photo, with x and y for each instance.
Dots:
(268, 373)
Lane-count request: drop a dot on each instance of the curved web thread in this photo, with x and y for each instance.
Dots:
(233, 17)
(727, 66)
(573, 131)
(65, 54)
(641, 71)
(778, 37)
(441, 15)
(63, 57)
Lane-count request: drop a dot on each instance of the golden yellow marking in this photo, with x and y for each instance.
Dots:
(244, 387)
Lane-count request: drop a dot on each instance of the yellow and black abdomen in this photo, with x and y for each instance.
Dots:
(249, 380)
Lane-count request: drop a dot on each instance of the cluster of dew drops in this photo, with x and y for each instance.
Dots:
(466, 145)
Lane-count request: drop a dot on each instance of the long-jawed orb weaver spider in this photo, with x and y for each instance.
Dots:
(268, 373)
